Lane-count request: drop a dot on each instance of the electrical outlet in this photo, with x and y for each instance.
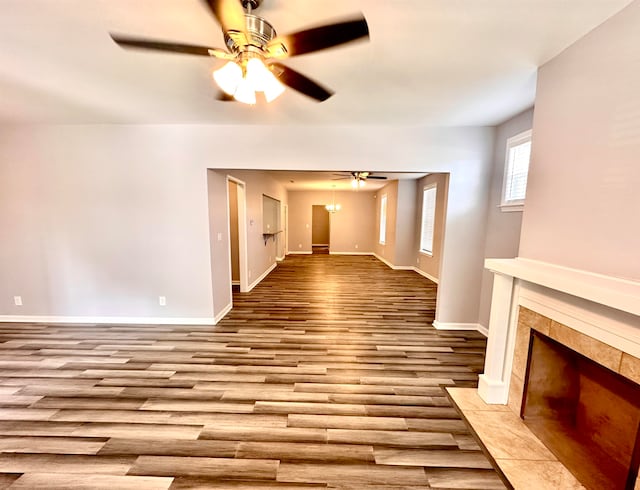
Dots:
(162, 300)
(418, 260)
(307, 225)
(219, 237)
(17, 300)
(356, 245)
(299, 245)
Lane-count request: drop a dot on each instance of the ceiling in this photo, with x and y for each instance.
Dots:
(314, 181)
(429, 62)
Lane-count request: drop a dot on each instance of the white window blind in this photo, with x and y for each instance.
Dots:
(517, 169)
(428, 219)
(383, 219)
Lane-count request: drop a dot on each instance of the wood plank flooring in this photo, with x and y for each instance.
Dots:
(327, 375)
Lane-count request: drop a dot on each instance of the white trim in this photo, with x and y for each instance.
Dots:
(235, 283)
(511, 208)
(426, 274)
(109, 320)
(621, 294)
(457, 326)
(299, 253)
(242, 233)
(279, 259)
(383, 260)
(516, 140)
(319, 244)
(262, 276)
(350, 253)
(483, 330)
(428, 187)
(492, 391)
(223, 313)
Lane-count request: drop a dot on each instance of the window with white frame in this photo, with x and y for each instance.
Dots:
(429, 194)
(383, 219)
(516, 170)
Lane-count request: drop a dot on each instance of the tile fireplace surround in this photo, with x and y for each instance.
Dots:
(597, 316)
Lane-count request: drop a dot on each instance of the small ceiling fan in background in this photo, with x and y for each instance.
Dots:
(253, 51)
(358, 179)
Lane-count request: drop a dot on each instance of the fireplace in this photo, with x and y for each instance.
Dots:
(564, 355)
(586, 414)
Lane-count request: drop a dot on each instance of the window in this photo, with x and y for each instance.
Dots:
(428, 219)
(383, 219)
(516, 170)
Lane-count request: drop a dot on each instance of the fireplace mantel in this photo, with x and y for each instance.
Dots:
(603, 307)
(621, 294)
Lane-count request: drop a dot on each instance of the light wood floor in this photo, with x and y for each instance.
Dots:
(327, 375)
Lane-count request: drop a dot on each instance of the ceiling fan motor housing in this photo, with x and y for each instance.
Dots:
(260, 33)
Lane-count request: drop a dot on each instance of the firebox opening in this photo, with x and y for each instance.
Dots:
(587, 415)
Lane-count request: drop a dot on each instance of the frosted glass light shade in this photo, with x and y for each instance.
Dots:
(228, 77)
(332, 208)
(245, 92)
(262, 80)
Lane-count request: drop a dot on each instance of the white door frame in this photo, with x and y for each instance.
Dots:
(242, 233)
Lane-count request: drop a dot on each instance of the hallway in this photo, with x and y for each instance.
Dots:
(327, 375)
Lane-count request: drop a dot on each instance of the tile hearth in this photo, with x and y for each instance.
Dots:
(521, 457)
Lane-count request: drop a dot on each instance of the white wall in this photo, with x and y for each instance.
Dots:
(583, 198)
(94, 224)
(145, 231)
(503, 228)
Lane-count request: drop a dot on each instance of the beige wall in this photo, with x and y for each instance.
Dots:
(583, 200)
(387, 250)
(319, 225)
(503, 228)
(351, 227)
(405, 252)
(430, 264)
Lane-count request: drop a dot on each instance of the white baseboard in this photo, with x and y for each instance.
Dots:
(223, 313)
(426, 274)
(460, 326)
(262, 276)
(383, 260)
(108, 320)
(299, 253)
(405, 268)
(279, 259)
(235, 283)
(350, 253)
(319, 244)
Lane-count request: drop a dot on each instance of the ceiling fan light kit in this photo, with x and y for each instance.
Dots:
(254, 48)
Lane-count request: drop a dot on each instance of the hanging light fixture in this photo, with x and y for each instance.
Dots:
(243, 80)
(357, 182)
(333, 207)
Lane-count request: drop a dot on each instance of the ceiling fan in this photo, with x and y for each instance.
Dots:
(358, 179)
(253, 51)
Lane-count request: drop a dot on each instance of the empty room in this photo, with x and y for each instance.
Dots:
(319, 244)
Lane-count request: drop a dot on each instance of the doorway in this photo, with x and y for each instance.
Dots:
(320, 230)
(237, 205)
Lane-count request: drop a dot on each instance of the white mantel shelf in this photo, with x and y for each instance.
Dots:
(621, 294)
